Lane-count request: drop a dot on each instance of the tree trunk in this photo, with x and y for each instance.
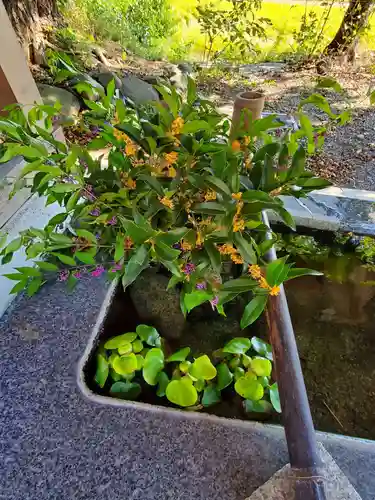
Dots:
(355, 19)
(27, 18)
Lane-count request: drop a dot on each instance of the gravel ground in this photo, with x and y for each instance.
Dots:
(348, 156)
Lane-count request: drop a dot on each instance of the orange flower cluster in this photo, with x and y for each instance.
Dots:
(236, 196)
(167, 202)
(228, 249)
(256, 273)
(128, 182)
(185, 246)
(210, 195)
(238, 221)
(177, 125)
(128, 243)
(171, 158)
(236, 146)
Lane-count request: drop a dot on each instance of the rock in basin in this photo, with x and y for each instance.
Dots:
(156, 305)
(69, 102)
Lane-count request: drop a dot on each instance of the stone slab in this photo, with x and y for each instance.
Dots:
(281, 486)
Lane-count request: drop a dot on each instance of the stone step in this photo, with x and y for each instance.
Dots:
(281, 486)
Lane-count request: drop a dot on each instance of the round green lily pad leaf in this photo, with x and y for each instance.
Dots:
(125, 365)
(148, 334)
(246, 360)
(275, 397)
(182, 392)
(125, 349)
(163, 382)
(184, 366)
(125, 390)
(153, 364)
(200, 385)
(140, 361)
(120, 340)
(224, 376)
(202, 368)
(179, 355)
(249, 388)
(239, 345)
(211, 396)
(238, 373)
(261, 406)
(137, 346)
(235, 362)
(102, 370)
(262, 347)
(261, 367)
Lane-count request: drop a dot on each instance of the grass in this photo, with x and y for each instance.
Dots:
(105, 19)
(285, 18)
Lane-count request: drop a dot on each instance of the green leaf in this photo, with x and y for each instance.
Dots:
(298, 163)
(214, 256)
(96, 144)
(13, 246)
(119, 247)
(297, 272)
(254, 195)
(65, 188)
(139, 234)
(249, 388)
(372, 97)
(153, 183)
(194, 126)
(261, 367)
(320, 102)
(211, 396)
(34, 286)
(29, 271)
(154, 363)
(173, 236)
(253, 310)
(224, 376)
(148, 334)
(182, 392)
(179, 355)
(102, 370)
(202, 368)
(85, 257)
(328, 82)
(120, 340)
(238, 345)
(277, 271)
(261, 406)
(209, 208)
(218, 185)
(15, 276)
(18, 287)
(125, 349)
(125, 390)
(196, 298)
(275, 397)
(65, 259)
(163, 381)
(243, 284)
(34, 250)
(262, 348)
(138, 262)
(245, 248)
(285, 216)
(83, 233)
(165, 252)
(191, 91)
(125, 365)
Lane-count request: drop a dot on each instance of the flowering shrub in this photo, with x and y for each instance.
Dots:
(129, 361)
(168, 188)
